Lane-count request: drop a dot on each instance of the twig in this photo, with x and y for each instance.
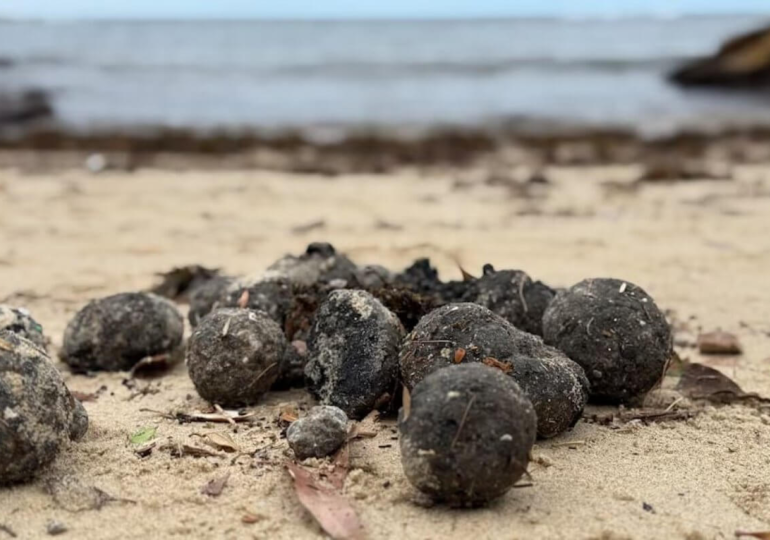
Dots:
(6, 529)
(521, 294)
(462, 421)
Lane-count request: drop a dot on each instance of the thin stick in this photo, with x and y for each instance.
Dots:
(462, 421)
(521, 294)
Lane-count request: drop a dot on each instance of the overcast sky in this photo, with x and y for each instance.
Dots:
(299, 9)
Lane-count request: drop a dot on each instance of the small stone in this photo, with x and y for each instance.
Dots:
(353, 352)
(514, 296)
(204, 297)
(19, 321)
(467, 435)
(469, 333)
(318, 434)
(615, 331)
(55, 528)
(116, 332)
(319, 264)
(37, 411)
(719, 342)
(234, 356)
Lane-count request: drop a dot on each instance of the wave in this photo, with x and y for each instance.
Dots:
(374, 69)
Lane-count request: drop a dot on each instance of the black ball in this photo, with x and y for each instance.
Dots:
(469, 333)
(116, 332)
(234, 356)
(466, 437)
(615, 331)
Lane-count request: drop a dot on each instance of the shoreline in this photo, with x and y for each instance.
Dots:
(375, 151)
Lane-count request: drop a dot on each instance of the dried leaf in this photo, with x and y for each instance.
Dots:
(330, 509)
(719, 342)
(213, 488)
(250, 518)
(703, 382)
(74, 496)
(505, 367)
(243, 301)
(179, 450)
(459, 355)
(7, 530)
(289, 414)
(366, 428)
(406, 403)
(220, 441)
(4, 345)
(159, 362)
(222, 415)
(84, 397)
(144, 435)
(763, 535)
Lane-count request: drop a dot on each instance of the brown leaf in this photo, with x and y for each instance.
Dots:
(763, 535)
(83, 396)
(220, 441)
(243, 301)
(459, 355)
(719, 342)
(159, 362)
(366, 428)
(229, 417)
(406, 403)
(288, 414)
(213, 488)
(251, 518)
(330, 509)
(505, 367)
(703, 382)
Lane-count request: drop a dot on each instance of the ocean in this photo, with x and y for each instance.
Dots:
(388, 74)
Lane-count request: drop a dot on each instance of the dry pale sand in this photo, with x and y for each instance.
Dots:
(702, 249)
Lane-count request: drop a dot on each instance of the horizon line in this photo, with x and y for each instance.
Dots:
(663, 16)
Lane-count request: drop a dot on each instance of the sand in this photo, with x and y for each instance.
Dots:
(700, 248)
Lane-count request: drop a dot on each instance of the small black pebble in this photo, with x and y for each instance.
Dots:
(319, 264)
(116, 332)
(466, 437)
(234, 356)
(353, 352)
(319, 433)
(615, 331)
(55, 528)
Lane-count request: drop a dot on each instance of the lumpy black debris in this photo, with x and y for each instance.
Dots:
(319, 433)
(615, 331)
(422, 278)
(353, 352)
(37, 412)
(19, 321)
(116, 332)
(466, 437)
(514, 296)
(319, 264)
(234, 356)
(271, 295)
(206, 295)
(466, 333)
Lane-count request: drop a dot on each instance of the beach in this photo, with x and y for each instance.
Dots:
(699, 247)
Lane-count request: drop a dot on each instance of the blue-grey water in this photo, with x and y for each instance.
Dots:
(269, 75)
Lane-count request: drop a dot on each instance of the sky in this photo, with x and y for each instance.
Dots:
(364, 9)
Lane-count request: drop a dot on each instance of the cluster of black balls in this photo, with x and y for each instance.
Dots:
(490, 363)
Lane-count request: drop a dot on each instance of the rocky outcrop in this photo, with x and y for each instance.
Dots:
(742, 62)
